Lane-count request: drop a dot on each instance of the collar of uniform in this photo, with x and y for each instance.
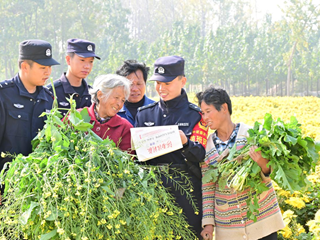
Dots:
(176, 102)
(145, 102)
(67, 88)
(113, 122)
(23, 91)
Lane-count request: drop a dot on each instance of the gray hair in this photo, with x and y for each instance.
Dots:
(106, 84)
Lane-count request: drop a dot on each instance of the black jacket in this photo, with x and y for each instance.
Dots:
(19, 116)
(64, 90)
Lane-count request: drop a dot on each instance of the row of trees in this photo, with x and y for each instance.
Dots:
(223, 42)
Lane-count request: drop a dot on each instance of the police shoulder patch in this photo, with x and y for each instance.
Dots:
(48, 91)
(7, 83)
(147, 106)
(194, 107)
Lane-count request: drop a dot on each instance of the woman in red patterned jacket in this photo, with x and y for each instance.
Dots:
(108, 95)
(225, 210)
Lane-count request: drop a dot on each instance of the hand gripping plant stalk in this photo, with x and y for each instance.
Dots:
(74, 185)
(291, 157)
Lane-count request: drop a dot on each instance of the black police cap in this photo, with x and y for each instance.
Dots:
(168, 68)
(81, 47)
(38, 51)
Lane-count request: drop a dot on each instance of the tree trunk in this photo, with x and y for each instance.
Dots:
(292, 85)
(289, 65)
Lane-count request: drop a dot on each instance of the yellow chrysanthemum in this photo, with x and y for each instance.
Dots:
(284, 193)
(286, 232)
(300, 228)
(296, 202)
(317, 216)
(289, 214)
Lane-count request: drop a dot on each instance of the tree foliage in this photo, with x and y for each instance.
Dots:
(222, 41)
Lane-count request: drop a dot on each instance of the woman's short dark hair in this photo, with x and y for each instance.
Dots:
(215, 97)
(131, 66)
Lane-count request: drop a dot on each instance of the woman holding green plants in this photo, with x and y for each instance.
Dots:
(225, 210)
(108, 95)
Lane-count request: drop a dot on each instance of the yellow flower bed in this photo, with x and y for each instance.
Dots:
(251, 109)
(305, 109)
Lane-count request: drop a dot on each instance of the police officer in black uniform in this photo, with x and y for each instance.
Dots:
(80, 58)
(23, 98)
(175, 109)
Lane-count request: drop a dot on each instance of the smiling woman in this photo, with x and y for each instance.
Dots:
(108, 95)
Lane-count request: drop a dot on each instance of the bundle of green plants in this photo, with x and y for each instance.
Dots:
(74, 185)
(291, 157)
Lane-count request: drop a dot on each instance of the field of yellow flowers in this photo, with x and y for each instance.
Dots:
(301, 209)
(305, 109)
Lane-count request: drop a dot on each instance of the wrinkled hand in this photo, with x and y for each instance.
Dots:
(183, 137)
(207, 232)
(257, 157)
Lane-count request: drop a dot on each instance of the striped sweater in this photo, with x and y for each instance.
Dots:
(227, 209)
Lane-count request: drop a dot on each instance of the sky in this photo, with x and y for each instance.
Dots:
(270, 6)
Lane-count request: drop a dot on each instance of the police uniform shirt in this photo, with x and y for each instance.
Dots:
(64, 90)
(19, 114)
(178, 111)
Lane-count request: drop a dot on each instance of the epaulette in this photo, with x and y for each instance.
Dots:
(55, 84)
(47, 90)
(7, 83)
(147, 106)
(194, 107)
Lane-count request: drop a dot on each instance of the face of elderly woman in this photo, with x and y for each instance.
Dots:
(108, 107)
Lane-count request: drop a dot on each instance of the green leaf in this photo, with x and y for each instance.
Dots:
(290, 139)
(281, 178)
(233, 150)
(43, 163)
(85, 115)
(55, 134)
(48, 132)
(83, 126)
(53, 216)
(211, 175)
(267, 121)
(58, 121)
(255, 169)
(105, 187)
(26, 215)
(312, 151)
(48, 235)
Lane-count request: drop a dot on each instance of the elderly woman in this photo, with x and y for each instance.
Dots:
(108, 95)
(225, 210)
